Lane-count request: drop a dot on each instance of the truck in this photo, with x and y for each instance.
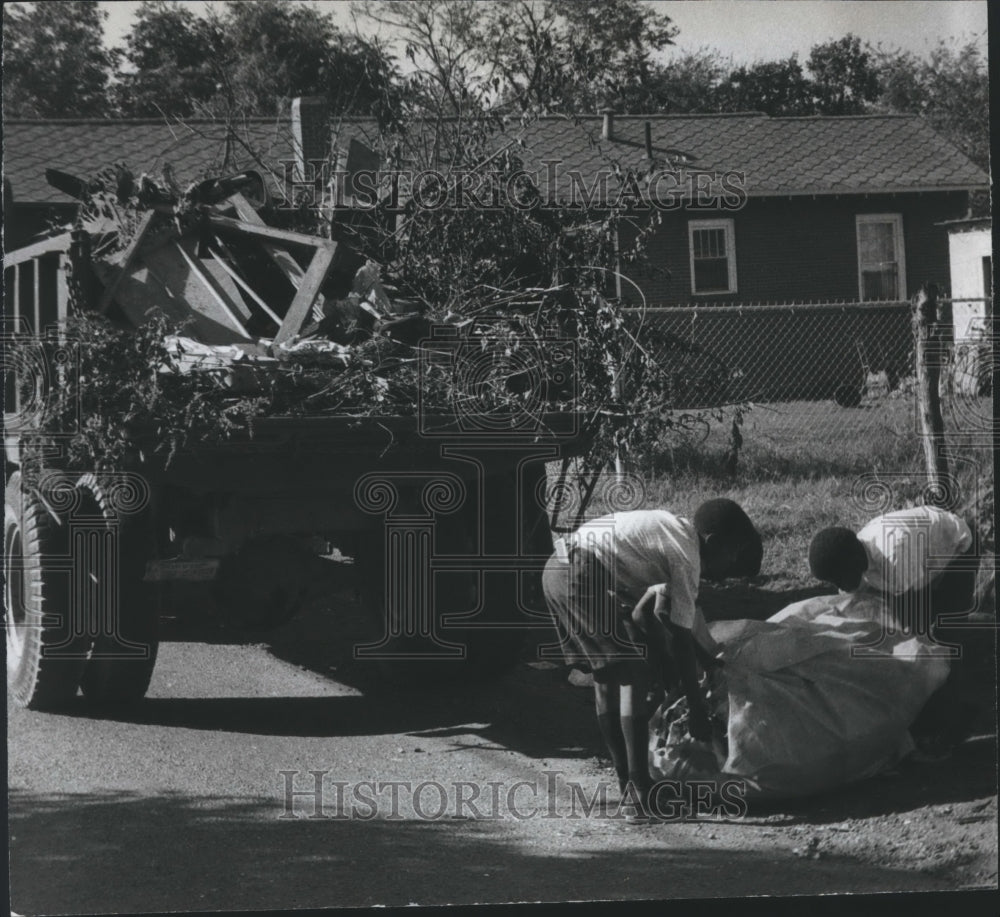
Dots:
(443, 512)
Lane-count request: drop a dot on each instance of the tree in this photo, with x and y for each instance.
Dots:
(844, 76)
(529, 55)
(276, 50)
(689, 83)
(55, 64)
(250, 57)
(172, 53)
(950, 90)
(610, 45)
(438, 40)
(772, 87)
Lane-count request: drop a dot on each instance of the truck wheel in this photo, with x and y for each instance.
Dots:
(124, 652)
(46, 653)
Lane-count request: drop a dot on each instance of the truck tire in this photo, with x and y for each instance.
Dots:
(46, 653)
(123, 656)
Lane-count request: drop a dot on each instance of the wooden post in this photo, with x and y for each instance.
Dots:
(930, 336)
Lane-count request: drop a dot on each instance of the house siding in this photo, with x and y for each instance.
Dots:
(798, 249)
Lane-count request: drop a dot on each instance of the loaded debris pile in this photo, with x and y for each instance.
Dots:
(245, 292)
(194, 317)
(247, 303)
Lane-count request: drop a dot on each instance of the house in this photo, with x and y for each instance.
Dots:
(843, 213)
(792, 209)
(752, 209)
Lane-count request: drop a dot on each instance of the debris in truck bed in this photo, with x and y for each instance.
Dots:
(266, 321)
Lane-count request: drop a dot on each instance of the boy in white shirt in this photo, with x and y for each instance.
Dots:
(629, 580)
(890, 556)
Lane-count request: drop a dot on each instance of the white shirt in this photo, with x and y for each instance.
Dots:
(647, 548)
(899, 545)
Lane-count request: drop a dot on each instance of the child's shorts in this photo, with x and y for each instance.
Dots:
(595, 628)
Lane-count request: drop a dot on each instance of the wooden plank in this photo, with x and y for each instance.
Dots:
(181, 293)
(267, 232)
(245, 211)
(207, 283)
(220, 260)
(20, 255)
(62, 290)
(319, 267)
(37, 294)
(930, 354)
(128, 259)
(142, 290)
(283, 259)
(18, 317)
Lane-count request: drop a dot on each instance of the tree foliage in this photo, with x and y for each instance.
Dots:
(528, 55)
(844, 76)
(273, 51)
(55, 64)
(773, 87)
(950, 89)
(689, 82)
(171, 54)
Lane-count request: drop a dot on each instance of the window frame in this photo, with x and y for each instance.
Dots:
(729, 226)
(896, 219)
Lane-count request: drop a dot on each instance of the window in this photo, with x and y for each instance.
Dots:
(881, 267)
(713, 256)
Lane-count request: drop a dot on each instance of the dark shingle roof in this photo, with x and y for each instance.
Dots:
(778, 156)
(83, 148)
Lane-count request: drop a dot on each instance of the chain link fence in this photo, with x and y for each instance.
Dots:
(831, 384)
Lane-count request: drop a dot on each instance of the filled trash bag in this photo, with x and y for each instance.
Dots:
(820, 695)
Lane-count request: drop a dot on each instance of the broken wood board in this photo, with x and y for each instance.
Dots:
(290, 267)
(306, 295)
(173, 279)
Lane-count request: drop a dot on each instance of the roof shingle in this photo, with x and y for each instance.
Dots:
(777, 156)
(194, 150)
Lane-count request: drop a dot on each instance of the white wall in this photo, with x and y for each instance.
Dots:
(967, 250)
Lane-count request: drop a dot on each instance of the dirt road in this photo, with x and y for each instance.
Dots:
(200, 798)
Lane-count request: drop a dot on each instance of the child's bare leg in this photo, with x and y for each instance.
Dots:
(635, 724)
(606, 703)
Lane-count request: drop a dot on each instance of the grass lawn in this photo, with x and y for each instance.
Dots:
(806, 465)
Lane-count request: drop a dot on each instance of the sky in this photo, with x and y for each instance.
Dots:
(751, 30)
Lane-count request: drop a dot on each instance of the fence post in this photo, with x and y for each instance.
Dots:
(930, 336)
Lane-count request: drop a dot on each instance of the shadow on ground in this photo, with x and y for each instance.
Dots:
(98, 854)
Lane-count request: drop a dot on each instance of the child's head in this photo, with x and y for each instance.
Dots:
(730, 545)
(836, 556)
